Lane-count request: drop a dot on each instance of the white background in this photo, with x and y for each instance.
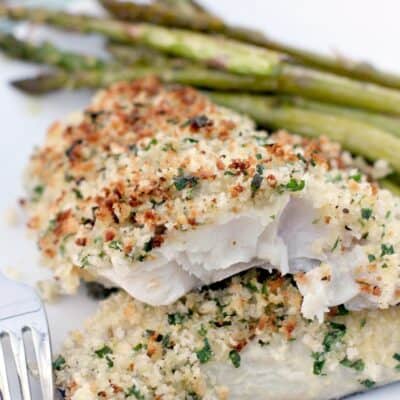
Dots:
(362, 29)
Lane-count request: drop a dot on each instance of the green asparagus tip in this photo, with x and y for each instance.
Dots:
(40, 84)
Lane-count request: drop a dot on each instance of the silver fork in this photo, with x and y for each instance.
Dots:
(21, 310)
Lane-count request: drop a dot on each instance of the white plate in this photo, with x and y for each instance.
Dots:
(366, 29)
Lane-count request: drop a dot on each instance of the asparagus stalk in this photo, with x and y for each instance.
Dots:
(232, 56)
(313, 84)
(188, 7)
(194, 76)
(355, 136)
(169, 69)
(48, 82)
(208, 22)
(194, 5)
(331, 88)
(226, 54)
(339, 65)
(291, 80)
(172, 71)
(46, 53)
(165, 13)
(387, 123)
(140, 55)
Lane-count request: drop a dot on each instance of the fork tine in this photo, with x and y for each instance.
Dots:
(18, 348)
(5, 393)
(41, 344)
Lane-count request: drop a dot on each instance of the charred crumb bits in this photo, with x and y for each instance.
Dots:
(199, 122)
(99, 292)
(71, 150)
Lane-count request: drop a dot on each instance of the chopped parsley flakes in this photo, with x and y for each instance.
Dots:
(368, 383)
(59, 363)
(115, 245)
(176, 318)
(138, 347)
(319, 362)
(101, 353)
(356, 177)
(251, 286)
(366, 213)
(134, 391)
(358, 365)
(38, 192)
(152, 142)
(334, 335)
(78, 193)
(183, 181)
(294, 185)
(396, 356)
(190, 140)
(205, 353)
(335, 245)
(235, 358)
(387, 249)
(104, 352)
(202, 331)
(342, 310)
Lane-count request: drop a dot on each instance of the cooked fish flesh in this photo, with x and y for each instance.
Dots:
(157, 190)
(245, 339)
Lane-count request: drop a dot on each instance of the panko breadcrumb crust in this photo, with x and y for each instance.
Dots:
(144, 161)
(130, 350)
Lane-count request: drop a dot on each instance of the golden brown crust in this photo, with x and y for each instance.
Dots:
(123, 120)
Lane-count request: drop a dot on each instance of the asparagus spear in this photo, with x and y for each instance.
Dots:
(195, 76)
(208, 22)
(339, 65)
(128, 55)
(48, 82)
(234, 57)
(387, 123)
(94, 73)
(357, 137)
(194, 5)
(187, 7)
(46, 53)
(290, 80)
(313, 84)
(226, 54)
(165, 13)
(142, 56)
(336, 89)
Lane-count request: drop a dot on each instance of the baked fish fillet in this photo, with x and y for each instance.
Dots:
(157, 190)
(244, 340)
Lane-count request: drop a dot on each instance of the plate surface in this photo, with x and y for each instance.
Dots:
(361, 28)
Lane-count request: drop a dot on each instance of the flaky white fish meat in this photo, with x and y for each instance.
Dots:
(245, 340)
(157, 190)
